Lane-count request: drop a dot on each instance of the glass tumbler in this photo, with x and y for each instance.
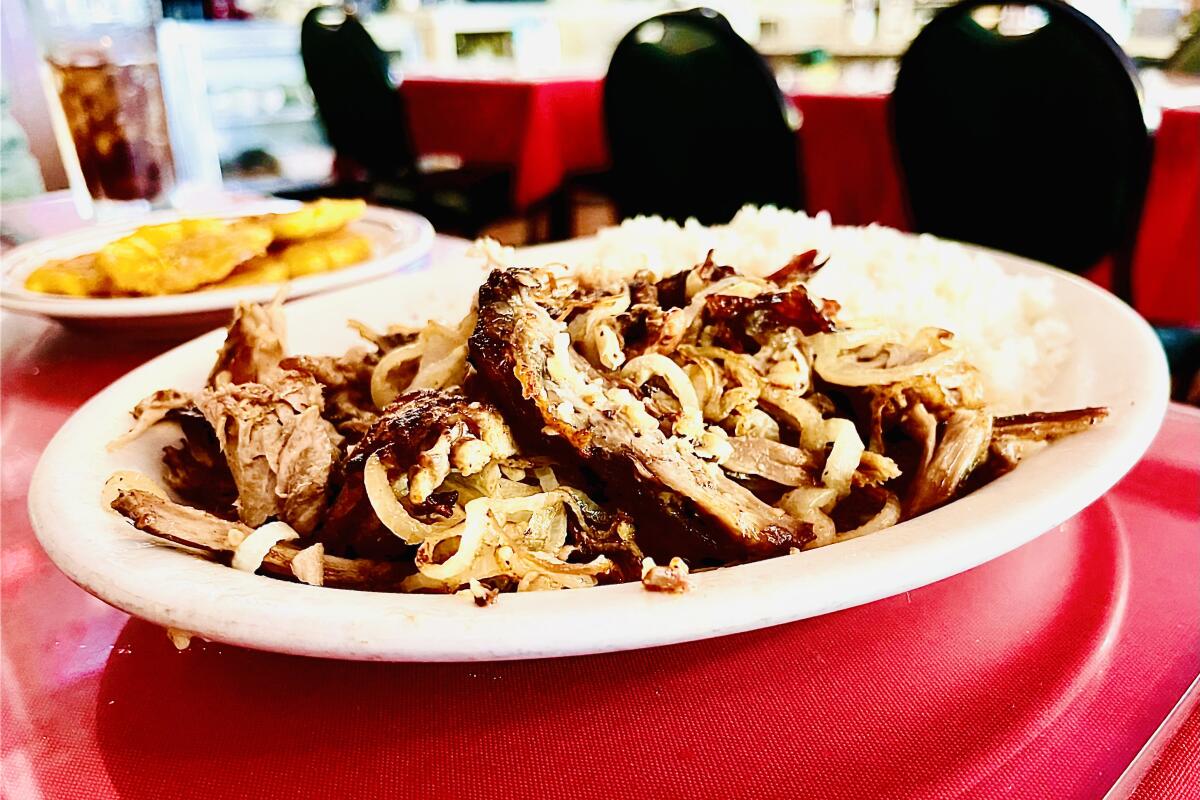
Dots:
(100, 72)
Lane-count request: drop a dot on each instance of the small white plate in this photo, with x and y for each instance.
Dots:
(103, 554)
(399, 239)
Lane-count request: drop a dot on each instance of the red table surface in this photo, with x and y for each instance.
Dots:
(546, 130)
(543, 130)
(1041, 674)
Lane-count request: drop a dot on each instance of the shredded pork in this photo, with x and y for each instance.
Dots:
(569, 431)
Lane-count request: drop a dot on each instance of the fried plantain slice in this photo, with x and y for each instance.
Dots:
(78, 277)
(325, 253)
(181, 256)
(256, 271)
(314, 219)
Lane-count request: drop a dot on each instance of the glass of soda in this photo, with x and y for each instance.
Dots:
(100, 72)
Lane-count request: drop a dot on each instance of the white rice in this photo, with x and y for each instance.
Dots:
(1007, 322)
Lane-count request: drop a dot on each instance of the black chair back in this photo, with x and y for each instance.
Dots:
(1035, 144)
(696, 124)
(363, 113)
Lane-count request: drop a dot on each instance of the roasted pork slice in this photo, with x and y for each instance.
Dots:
(1017, 436)
(975, 449)
(196, 469)
(151, 411)
(962, 448)
(278, 447)
(682, 505)
(253, 347)
(346, 381)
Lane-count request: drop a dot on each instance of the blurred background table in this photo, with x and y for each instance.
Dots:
(547, 130)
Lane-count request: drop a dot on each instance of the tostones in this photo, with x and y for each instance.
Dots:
(181, 256)
(77, 277)
(314, 219)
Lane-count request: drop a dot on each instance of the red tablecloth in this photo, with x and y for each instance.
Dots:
(545, 130)
(1166, 263)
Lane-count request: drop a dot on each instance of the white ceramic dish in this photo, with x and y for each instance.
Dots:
(103, 554)
(399, 239)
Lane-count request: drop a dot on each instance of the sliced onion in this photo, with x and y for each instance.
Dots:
(444, 357)
(844, 456)
(596, 333)
(800, 413)
(756, 423)
(551, 565)
(248, 556)
(803, 500)
(473, 533)
(887, 516)
(383, 391)
(389, 509)
(641, 369)
(608, 346)
(546, 478)
(446, 371)
(470, 535)
(535, 581)
(547, 528)
(839, 370)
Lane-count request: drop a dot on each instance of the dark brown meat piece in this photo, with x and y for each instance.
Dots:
(962, 448)
(682, 506)
(802, 267)
(1048, 425)
(278, 447)
(1017, 436)
(744, 323)
(405, 430)
(196, 469)
(346, 381)
(671, 291)
(253, 345)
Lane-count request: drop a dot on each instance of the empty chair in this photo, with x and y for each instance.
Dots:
(366, 122)
(361, 110)
(1035, 143)
(696, 124)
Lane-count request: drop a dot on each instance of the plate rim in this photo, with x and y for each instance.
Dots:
(422, 619)
(19, 300)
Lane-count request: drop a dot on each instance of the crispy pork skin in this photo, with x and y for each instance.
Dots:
(684, 506)
(423, 432)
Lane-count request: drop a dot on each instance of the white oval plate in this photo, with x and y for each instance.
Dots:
(106, 556)
(399, 239)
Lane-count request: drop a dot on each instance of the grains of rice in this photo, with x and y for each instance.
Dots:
(1007, 322)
